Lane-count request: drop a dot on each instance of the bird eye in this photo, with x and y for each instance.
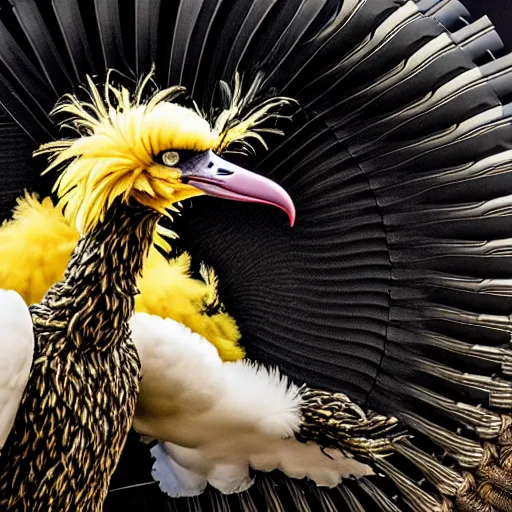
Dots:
(170, 158)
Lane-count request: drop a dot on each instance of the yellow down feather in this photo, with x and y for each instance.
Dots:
(35, 248)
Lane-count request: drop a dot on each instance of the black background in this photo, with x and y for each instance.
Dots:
(500, 13)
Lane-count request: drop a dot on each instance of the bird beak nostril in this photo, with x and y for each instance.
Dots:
(224, 172)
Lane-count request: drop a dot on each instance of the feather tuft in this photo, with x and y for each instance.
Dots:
(217, 420)
(237, 121)
(269, 397)
(35, 247)
(164, 281)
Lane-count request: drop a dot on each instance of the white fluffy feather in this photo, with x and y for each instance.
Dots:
(215, 420)
(16, 354)
(174, 479)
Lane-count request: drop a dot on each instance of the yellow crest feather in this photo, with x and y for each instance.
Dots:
(168, 290)
(115, 156)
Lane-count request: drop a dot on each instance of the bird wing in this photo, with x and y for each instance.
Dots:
(35, 247)
(16, 353)
(216, 420)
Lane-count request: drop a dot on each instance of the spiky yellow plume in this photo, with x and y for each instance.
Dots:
(115, 155)
(165, 280)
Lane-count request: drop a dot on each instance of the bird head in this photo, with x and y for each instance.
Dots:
(154, 152)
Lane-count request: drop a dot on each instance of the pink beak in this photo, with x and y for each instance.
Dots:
(219, 178)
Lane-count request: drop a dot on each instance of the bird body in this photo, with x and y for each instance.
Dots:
(215, 422)
(80, 398)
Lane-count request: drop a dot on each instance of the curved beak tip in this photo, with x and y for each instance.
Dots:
(290, 211)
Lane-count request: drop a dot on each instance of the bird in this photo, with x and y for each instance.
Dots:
(188, 399)
(391, 294)
(132, 159)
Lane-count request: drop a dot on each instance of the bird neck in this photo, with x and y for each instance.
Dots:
(95, 301)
